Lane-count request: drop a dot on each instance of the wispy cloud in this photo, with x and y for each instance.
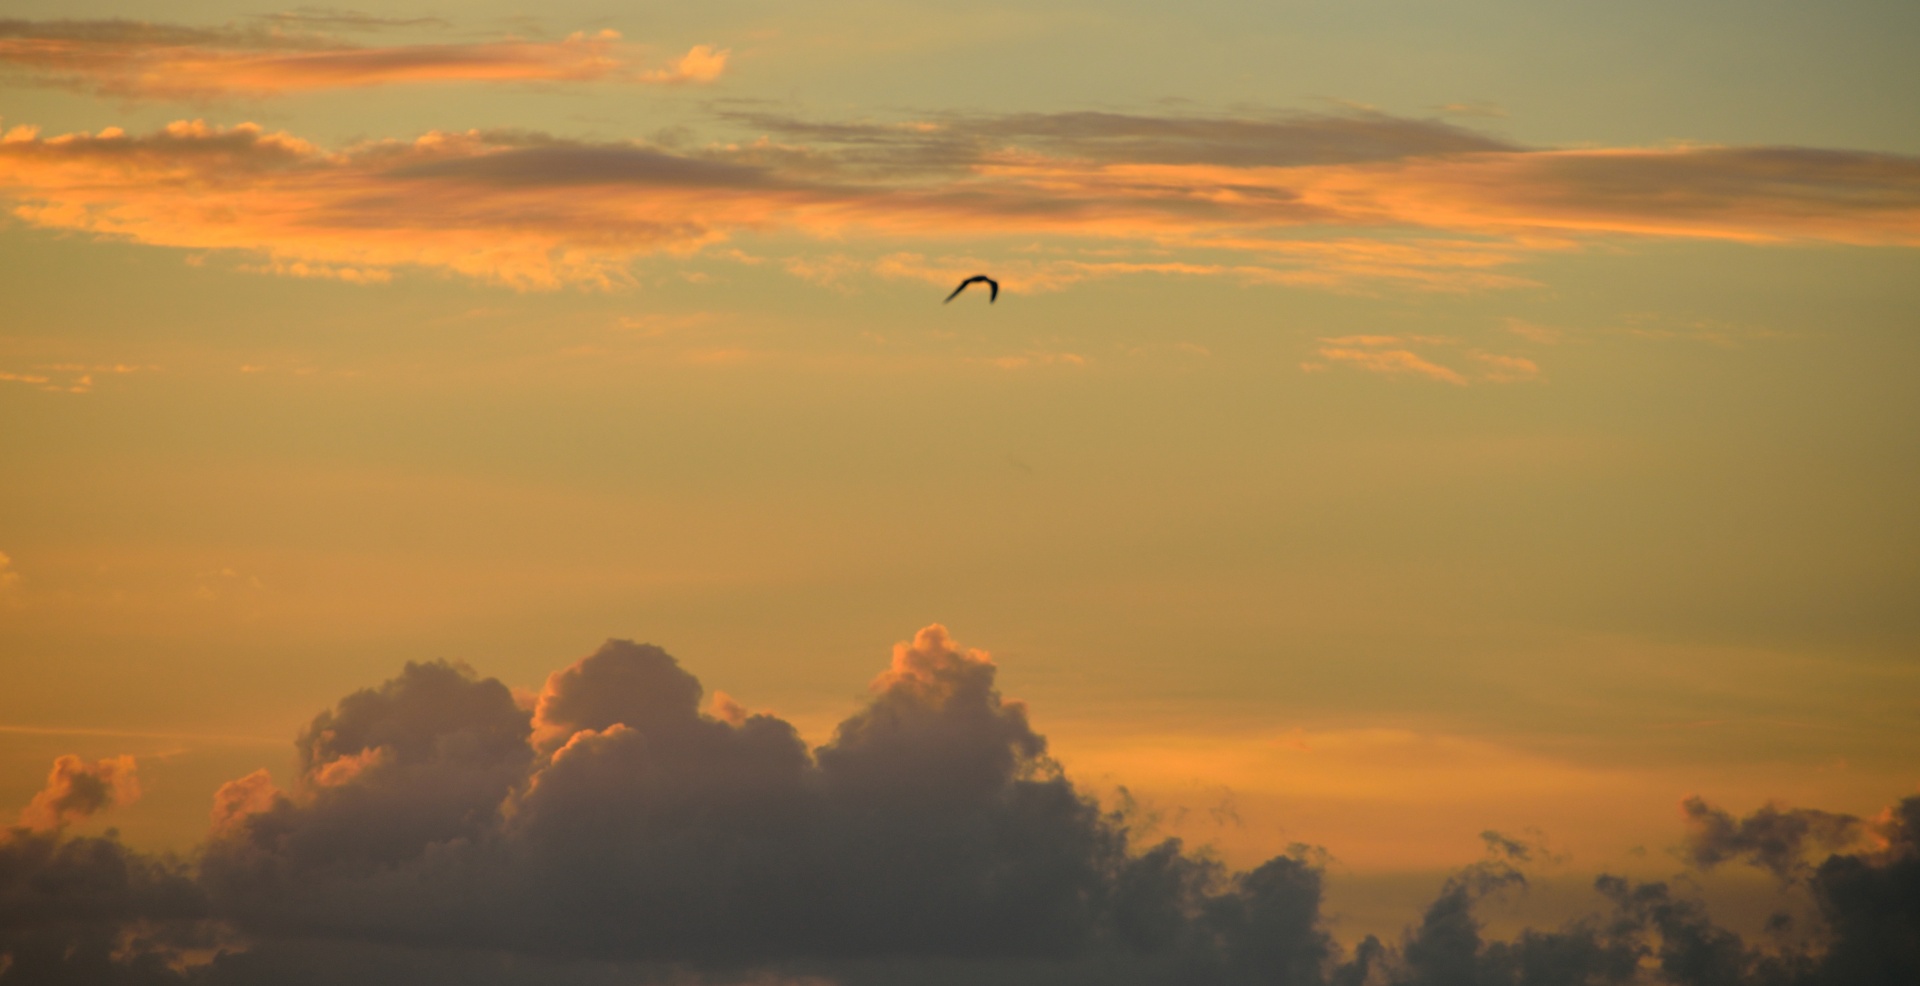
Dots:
(1391, 361)
(68, 378)
(147, 60)
(1395, 356)
(1369, 199)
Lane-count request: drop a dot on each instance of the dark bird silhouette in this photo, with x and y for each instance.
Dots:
(993, 288)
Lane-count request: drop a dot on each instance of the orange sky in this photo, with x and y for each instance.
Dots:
(1390, 429)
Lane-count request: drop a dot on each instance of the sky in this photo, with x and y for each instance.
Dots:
(1399, 423)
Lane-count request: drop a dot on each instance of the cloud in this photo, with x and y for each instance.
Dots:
(77, 790)
(350, 19)
(1366, 199)
(1391, 362)
(1506, 369)
(1390, 355)
(147, 60)
(957, 140)
(69, 378)
(438, 830)
(91, 910)
(701, 63)
(1540, 334)
(1773, 838)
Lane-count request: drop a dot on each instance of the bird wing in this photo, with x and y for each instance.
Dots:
(993, 286)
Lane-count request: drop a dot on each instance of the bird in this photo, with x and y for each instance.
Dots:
(993, 288)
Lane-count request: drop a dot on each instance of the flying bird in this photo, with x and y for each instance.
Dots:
(993, 288)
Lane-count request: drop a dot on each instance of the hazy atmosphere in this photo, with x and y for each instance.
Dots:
(493, 494)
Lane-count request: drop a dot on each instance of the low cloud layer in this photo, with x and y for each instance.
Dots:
(139, 59)
(1325, 200)
(621, 828)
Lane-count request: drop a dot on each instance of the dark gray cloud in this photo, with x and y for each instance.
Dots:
(132, 33)
(439, 831)
(560, 164)
(88, 910)
(1773, 838)
(294, 52)
(335, 18)
(953, 140)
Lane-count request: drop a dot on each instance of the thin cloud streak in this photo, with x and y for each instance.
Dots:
(535, 211)
(136, 59)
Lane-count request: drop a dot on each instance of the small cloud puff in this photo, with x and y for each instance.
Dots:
(77, 790)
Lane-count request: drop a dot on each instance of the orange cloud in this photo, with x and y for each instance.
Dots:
(1503, 369)
(1392, 361)
(131, 58)
(1390, 355)
(701, 63)
(237, 799)
(533, 211)
(77, 790)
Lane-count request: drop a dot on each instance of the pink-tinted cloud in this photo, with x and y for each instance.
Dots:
(77, 789)
(138, 59)
(540, 212)
(241, 797)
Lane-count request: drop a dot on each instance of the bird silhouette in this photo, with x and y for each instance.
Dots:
(993, 288)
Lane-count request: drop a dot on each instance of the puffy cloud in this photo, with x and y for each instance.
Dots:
(1262, 201)
(236, 799)
(77, 790)
(701, 63)
(439, 831)
(87, 909)
(1871, 904)
(90, 910)
(140, 59)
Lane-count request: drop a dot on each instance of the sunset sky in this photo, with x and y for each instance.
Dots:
(1399, 421)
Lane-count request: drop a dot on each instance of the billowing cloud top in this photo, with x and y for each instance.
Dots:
(440, 831)
(77, 789)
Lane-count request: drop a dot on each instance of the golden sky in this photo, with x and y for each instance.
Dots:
(1398, 421)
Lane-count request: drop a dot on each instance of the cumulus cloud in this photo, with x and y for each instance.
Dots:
(701, 63)
(141, 59)
(77, 789)
(619, 828)
(1326, 201)
(90, 910)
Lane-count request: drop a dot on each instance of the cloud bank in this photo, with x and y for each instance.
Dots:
(618, 830)
(1327, 200)
(139, 59)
